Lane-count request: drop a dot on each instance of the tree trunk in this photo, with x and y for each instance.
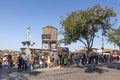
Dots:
(88, 51)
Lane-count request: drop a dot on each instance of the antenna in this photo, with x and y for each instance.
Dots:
(28, 33)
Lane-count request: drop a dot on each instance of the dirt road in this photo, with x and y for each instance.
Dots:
(88, 72)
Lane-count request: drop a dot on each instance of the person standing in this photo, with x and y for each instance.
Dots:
(31, 63)
(9, 63)
(43, 61)
(24, 61)
(3, 63)
(48, 58)
(19, 62)
(40, 63)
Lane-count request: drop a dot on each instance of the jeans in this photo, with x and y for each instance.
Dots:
(3, 66)
(40, 65)
(77, 62)
(31, 67)
(43, 65)
(9, 67)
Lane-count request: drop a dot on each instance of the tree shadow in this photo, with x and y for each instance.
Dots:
(17, 77)
(99, 69)
(22, 75)
(92, 68)
(14, 75)
(113, 66)
(35, 73)
(95, 69)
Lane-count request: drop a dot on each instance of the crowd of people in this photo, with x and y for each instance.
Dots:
(96, 59)
(46, 61)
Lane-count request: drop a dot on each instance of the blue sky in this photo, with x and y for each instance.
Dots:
(17, 15)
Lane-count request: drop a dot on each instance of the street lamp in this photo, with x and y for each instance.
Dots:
(28, 42)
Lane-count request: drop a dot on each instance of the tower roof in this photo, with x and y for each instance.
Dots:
(50, 26)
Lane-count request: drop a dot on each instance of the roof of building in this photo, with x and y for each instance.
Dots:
(50, 26)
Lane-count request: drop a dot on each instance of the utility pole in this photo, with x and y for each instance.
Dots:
(28, 42)
(28, 33)
(102, 44)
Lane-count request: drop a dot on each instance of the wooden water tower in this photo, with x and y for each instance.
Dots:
(49, 37)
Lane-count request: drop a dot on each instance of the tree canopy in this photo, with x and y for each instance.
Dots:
(83, 25)
(114, 37)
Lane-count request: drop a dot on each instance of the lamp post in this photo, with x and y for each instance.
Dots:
(28, 42)
(102, 44)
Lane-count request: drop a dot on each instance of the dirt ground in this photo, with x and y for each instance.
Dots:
(88, 72)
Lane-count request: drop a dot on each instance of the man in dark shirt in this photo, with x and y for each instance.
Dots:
(19, 62)
(9, 63)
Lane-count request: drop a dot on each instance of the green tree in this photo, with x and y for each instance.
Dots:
(84, 25)
(114, 37)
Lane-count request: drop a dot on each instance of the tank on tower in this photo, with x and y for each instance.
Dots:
(49, 37)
